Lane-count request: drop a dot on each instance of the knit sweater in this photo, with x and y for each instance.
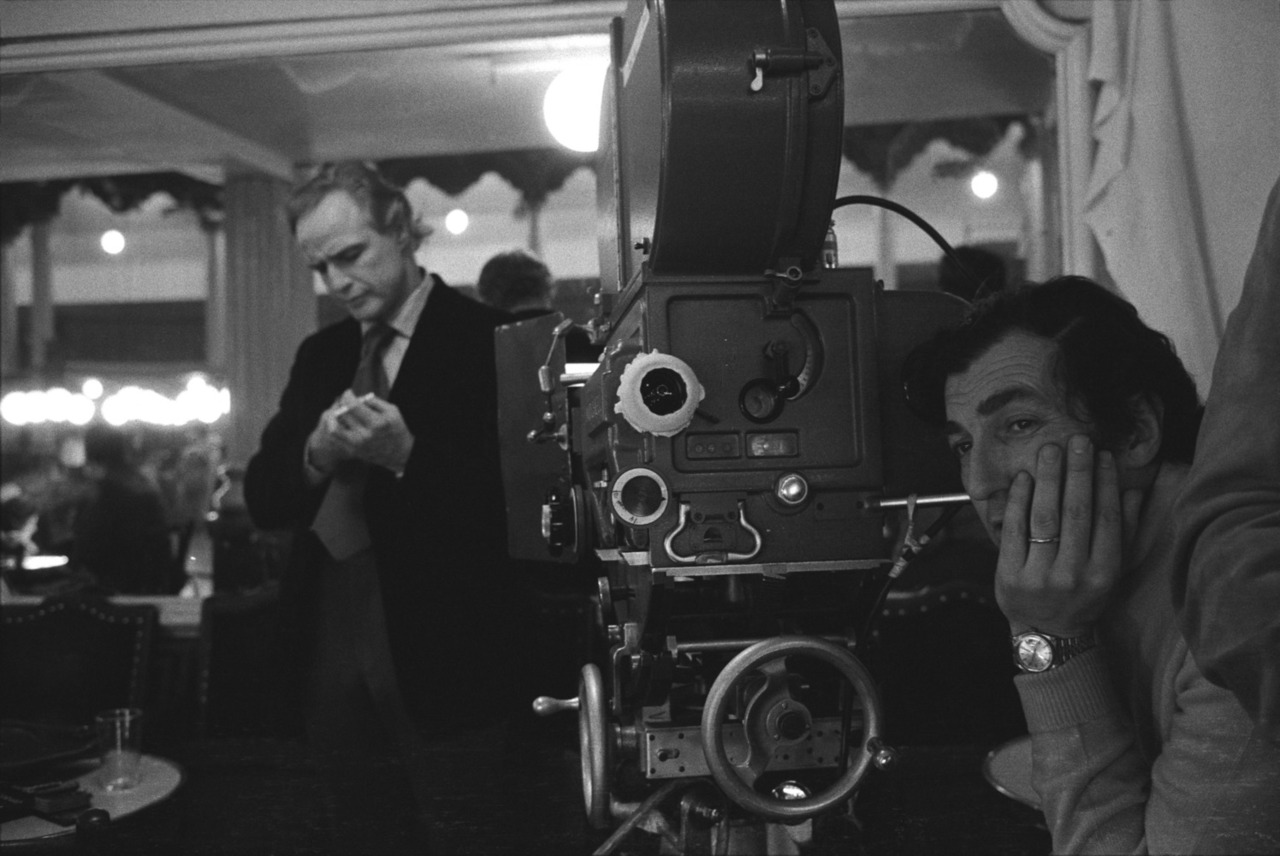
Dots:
(1134, 750)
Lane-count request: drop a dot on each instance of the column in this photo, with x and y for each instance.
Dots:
(41, 298)
(270, 305)
(8, 319)
(215, 304)
(533, 210)
(886, 255)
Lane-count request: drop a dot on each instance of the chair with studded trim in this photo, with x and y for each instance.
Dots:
(67, 658)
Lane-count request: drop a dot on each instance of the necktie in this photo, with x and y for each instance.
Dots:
(340, 523)
(370, 375)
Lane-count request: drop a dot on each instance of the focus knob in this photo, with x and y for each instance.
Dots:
(884, 757)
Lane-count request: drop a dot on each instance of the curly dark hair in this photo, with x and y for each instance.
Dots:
(1106, 358)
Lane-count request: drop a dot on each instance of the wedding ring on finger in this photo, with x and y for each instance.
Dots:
(1053, 540)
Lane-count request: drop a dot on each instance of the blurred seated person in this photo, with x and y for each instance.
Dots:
(972, 273)
(121, 533)
(186, 477)
(518, 283)
(20, 518)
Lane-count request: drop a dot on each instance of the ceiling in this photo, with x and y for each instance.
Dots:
(127, 86)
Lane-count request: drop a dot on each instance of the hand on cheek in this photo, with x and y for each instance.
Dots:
(1061, 542)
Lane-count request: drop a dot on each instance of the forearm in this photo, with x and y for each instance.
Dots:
(1087, 770)
(276, 485)
(1229, 512)
(278, 491)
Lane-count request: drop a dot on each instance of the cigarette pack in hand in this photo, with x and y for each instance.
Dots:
(368, 396)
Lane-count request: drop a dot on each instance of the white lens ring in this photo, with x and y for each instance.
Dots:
(637, 380)
(639, 496)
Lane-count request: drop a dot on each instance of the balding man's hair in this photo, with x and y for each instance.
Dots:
(388, 208)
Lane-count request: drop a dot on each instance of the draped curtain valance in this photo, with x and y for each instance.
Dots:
(884, 151)
(534, 173)
(26, 202)
(880, 151)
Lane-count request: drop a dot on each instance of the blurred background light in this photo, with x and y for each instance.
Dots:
(571, 107)
(199, 401)
(456, 221)
(112, 242)
(984, 184)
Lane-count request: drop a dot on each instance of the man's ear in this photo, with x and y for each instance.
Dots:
(1143, 445)
(405, 239)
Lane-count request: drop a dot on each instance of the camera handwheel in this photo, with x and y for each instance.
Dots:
(593, 746)
(767, 714)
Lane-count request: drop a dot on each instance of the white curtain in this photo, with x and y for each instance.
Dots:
(1144, 205)
(1187, 126)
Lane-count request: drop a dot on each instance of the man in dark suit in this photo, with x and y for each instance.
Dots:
(383, 457)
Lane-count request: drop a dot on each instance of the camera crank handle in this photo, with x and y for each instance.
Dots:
(546, 705)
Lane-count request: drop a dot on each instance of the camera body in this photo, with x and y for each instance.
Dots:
(726, 460)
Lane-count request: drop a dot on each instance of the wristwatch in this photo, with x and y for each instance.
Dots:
(1036, 652)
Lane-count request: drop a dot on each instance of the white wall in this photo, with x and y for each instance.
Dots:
(1228, 52)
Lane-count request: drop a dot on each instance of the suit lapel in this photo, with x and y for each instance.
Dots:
(429, 347)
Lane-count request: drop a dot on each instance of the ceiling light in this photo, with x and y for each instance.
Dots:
(456, 221)
(571, 107)
(984, 184)
(112, 242)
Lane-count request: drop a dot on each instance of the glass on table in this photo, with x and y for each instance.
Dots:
(120, 741)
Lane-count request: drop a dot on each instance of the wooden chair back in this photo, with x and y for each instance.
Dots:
(67, 658)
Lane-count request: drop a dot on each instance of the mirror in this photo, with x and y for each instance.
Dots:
(926, 84)
(935, 93)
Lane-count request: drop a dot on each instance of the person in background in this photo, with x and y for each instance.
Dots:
(19, 518)
(383, 459)
(518, 283)
(972, 273)
(121, 535)
(1074, 424)
(186, 476)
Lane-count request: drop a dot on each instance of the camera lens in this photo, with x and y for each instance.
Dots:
(663, 391)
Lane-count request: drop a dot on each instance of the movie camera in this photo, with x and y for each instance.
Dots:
(736, 456)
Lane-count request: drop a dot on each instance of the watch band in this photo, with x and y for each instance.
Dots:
(1035, 652)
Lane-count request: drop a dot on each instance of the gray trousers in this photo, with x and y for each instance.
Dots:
(353, 699)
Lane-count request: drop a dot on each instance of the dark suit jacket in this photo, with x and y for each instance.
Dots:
(439, 532)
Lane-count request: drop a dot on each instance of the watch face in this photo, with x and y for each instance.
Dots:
(1033, 652)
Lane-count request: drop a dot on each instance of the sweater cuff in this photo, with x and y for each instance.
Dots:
(1076, 692)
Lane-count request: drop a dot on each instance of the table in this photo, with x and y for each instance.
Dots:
(495, 795)
(159, 779)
